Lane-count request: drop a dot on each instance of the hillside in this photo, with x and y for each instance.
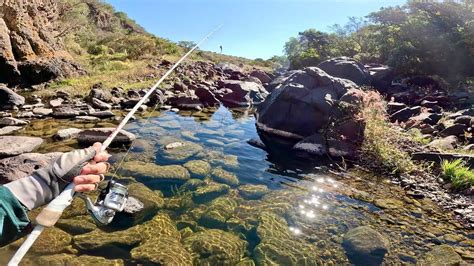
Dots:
(78, 43)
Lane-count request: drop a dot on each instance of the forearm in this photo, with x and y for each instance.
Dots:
(13, 217)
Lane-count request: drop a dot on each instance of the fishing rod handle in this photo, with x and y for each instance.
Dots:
(53, 211)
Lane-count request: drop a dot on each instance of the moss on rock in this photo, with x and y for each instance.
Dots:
(68, 259)
(222, 176)
(179, 153)
(219, 211)
(163, 250)
(253, 192)
(209, 192)
(278, 247)
(78, 225)
(198, 168)
(441, 255)
(175, 173)
(52, 240)
(160, 225)
(216, 247)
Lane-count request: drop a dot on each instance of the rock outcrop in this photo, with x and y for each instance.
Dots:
(31, 52)
(314, 113)
(346, 68)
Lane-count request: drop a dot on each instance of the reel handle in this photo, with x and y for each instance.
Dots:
(53, 211)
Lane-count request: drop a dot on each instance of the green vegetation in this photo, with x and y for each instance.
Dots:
(383, 146)
(421, 37)
(460, 175)
(118, 52)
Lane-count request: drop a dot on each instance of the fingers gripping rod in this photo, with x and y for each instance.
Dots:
(53, 211)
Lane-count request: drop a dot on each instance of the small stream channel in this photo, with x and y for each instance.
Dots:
(298, 214)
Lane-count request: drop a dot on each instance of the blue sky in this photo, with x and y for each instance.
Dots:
(252, 28)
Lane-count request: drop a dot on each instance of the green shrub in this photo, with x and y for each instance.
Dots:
(456, 172)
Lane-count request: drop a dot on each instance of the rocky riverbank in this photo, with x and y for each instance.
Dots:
(308, 113)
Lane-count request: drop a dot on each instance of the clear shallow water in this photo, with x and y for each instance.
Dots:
(301, 219)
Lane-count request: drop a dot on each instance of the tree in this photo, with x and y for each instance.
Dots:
(187, 45)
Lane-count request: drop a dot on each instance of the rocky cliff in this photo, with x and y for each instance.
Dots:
(30, 51)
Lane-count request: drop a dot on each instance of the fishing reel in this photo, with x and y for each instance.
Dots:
(111, 199)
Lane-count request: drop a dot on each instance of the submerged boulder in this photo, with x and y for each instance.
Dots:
(158, 173)
(222, 176)
(313, 110)
(365, 246)
(216, 247)
(278, 247)
(441, 255)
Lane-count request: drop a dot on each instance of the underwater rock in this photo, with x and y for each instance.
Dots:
(272, 225)
(150, 200)
(388, 203)
(156, 172)
(219, 158)
(72, 260)
(161, 225)
(181, 152)
(365, 246)
(441, 255)
(77, 225)
(189, 135)
(209, 192)
(216, 247)
(277, 245)
(162, 250)
(173, 145)
(219, 211)
(222, 176)
(277, 251)
(198, 168)
(52, 240)
(253, 192)
(192, 184)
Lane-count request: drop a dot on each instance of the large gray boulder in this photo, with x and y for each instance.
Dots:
(365, 246)
(243, 93)
(9, 99)
(346, 68)
(13, 145)
(17, 167)
(313, 108)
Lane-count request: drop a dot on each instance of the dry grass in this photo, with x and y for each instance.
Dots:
(384, 146)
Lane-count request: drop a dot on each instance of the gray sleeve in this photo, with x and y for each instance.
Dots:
(46, 183)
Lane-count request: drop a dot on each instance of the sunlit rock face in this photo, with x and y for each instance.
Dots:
(312, 113)
(30, 50)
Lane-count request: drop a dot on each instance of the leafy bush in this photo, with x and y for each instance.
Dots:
(457, 173)
(383, 144)
(421, 37)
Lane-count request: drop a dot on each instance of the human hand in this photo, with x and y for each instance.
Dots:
(93, 172)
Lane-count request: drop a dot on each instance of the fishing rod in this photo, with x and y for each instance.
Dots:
(112, 199)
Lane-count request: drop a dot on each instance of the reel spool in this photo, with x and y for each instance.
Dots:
(111, 199)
